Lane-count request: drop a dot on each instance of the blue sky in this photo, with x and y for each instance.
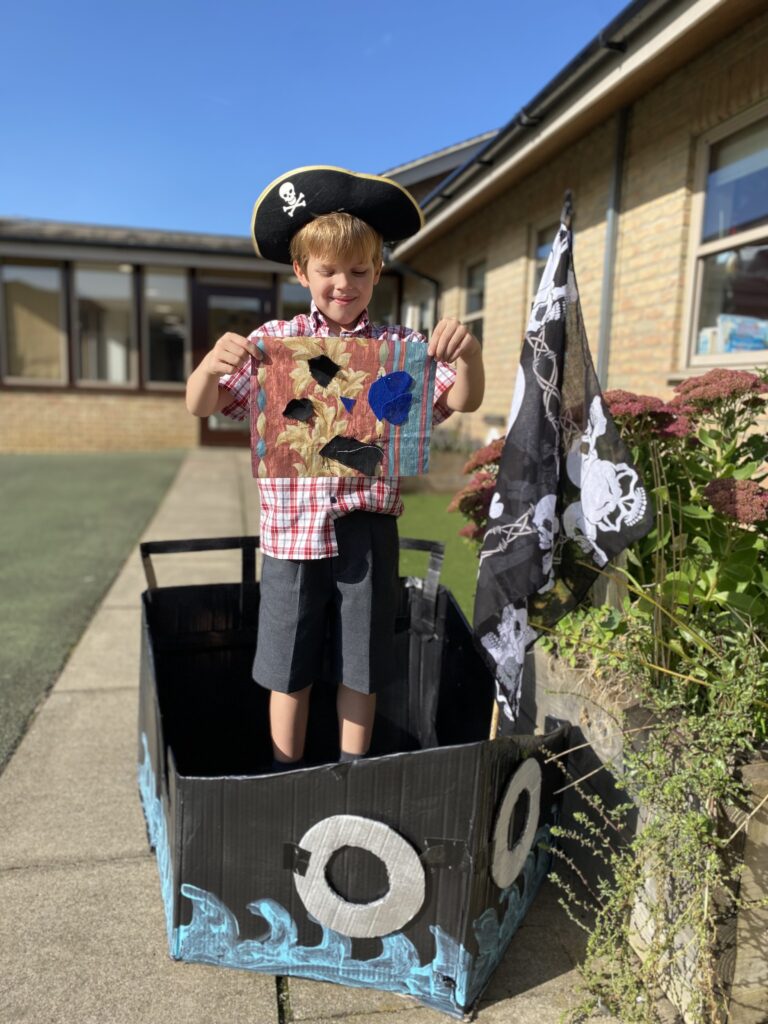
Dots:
(171, 114)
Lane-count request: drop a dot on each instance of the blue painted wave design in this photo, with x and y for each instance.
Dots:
(157, 828)
(452, 981)
(494, 934)
(212, 937)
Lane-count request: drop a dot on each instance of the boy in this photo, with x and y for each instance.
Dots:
(330, 545)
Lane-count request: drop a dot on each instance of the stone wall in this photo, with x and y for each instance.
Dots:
(553, 691)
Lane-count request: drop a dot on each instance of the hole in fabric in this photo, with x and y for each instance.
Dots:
(348, 403)
(323, 369)
(299, 409)
(357, 875)
(358, 455)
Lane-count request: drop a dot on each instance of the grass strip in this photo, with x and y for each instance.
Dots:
(69, 521)
(426, 517)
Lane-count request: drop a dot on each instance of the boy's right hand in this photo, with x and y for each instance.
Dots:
(229, 353)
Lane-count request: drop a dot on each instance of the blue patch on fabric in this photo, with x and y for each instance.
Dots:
(390, 397)
(348, 403)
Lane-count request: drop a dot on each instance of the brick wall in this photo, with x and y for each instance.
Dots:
(646, 343)
(82, 422)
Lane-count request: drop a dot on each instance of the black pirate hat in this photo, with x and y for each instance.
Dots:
(298, 196)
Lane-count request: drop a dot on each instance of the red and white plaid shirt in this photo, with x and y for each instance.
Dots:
(297, 513)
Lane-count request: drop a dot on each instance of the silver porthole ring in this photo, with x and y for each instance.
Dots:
(390, 912)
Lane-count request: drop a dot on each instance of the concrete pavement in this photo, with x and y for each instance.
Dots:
(82, 933)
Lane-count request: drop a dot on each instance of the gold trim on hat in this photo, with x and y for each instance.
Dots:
(327, 167)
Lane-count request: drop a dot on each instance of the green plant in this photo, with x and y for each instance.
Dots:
(474, 499)
(684, 635)
(703, 460)
(668, 887)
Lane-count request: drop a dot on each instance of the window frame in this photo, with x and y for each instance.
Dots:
(698, 250)
(145, 383)
(469, 319)
(36, 382)
(134, 384)
(537, 228)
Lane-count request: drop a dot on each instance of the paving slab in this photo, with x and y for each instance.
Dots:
(107, 656)
(70, 791)
(212, 493)
(87, 945)
(407, 1015)
(311, 1000)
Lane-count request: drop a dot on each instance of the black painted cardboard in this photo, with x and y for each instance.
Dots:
(434, 870)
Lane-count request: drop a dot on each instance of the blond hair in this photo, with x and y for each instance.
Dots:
(336, 235)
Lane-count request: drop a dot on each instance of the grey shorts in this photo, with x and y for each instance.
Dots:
(334, 612)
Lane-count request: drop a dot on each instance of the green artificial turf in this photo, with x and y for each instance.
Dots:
(426, 516)
(69, 521)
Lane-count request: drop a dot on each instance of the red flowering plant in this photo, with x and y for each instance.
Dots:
(474, 498)
(685, 636)
(703, 456)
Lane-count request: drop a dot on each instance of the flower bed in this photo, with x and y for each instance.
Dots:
(682, 630)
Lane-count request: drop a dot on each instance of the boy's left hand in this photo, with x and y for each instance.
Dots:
(452, 340)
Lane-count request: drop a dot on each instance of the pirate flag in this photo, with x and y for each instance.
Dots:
(567, 499)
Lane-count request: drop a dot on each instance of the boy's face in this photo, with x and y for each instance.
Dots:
(341, 287)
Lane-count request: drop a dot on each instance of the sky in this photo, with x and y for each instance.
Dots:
(175, 114)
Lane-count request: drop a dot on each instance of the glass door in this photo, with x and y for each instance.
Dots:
(218, 309)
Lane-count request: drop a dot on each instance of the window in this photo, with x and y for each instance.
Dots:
(35, 347)
(228, 311)
(474, 298)
(543, 248)
(730, 304)
(294, 298)
(382, 308)
(104, 318)
(166, 326)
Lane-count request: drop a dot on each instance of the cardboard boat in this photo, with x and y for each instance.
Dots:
(408, 871)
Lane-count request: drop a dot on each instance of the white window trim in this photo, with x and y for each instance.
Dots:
(697, 249)
(467, 318)
(535, 229)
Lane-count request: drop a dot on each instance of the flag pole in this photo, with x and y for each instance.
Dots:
(494, 720)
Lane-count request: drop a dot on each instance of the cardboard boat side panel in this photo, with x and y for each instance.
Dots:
(375, 873)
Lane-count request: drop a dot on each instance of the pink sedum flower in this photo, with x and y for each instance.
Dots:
(627, 403)
(743, 501)
(486, 456)
(718, 385)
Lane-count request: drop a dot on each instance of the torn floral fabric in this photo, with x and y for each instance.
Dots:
(344, 406)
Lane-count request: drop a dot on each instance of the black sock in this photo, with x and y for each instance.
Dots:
(286, 766)
(344, 757)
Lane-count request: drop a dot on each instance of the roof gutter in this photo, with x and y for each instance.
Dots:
(610, 41)
(595, 76)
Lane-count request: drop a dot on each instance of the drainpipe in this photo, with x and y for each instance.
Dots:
(611, 240)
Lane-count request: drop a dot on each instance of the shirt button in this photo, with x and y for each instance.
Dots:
(333, 499)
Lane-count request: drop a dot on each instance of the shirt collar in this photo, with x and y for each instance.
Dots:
(320, 324)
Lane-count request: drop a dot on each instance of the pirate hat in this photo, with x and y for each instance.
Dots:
(298, 196)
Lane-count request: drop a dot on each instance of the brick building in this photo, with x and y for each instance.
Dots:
(660, 128)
